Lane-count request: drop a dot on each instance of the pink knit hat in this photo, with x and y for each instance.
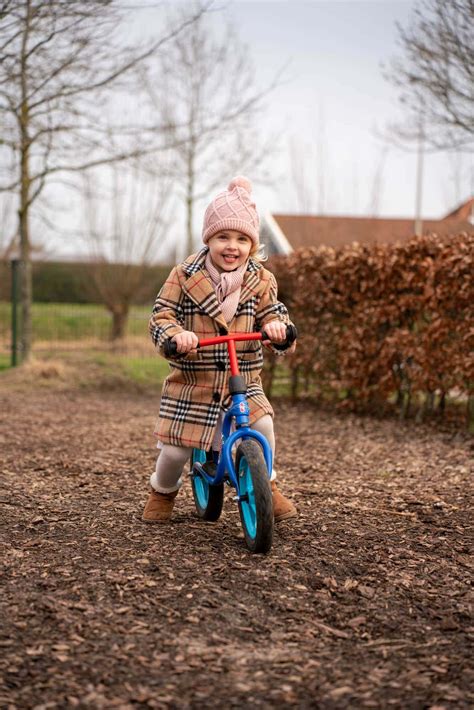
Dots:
(232, 209)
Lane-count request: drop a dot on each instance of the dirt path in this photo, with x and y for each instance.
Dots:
(363, 602)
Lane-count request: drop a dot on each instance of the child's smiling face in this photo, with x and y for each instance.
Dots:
(229, 249)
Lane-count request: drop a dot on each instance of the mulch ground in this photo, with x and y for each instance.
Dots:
(364, 600)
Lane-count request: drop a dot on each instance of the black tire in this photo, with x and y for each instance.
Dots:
(207, 499)
(256, 513)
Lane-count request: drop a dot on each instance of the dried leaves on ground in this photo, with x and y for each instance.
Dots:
(364, 600)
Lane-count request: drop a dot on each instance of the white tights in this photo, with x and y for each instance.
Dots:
(171, 459)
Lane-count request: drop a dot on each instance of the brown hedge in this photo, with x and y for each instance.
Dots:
(382, 320)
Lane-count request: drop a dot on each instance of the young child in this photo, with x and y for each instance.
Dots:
(223, 288)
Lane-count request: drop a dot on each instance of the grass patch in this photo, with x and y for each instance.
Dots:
(118, 369)
(82, 368)
(145, 370)
(5, 361)
(75, 321)
(281, 386)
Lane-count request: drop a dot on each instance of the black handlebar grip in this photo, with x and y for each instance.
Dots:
(291, 335)
(170, 348)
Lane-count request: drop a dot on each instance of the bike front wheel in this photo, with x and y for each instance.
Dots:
(207, 499)
(255, 496)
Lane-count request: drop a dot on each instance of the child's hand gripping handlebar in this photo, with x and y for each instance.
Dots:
(291, 335)
(170, 347)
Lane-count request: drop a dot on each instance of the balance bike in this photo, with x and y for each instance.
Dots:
(249, 473)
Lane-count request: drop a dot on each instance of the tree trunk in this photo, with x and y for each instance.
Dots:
(430, 402)
(119, 321)
(189, 225)
(26, 283)
(426, 407)
(26, 286)
(442, 404)
(406, 402)
(268, 375)
(294, 382)
(470, 413)
(190, 201)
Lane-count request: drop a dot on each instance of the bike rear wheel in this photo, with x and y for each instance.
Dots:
(208, 499)
(255, 497)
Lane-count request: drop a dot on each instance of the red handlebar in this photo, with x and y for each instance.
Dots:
(230, 340)
(226, 338)
(170, 348)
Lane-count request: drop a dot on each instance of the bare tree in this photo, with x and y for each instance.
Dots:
(309, 167)
(378, 183)
(126, 226)
(303, 161)
(323, 162)
(435, 73)
(8, 232)
(209, 94)
(456, 179)
(9, 235)
(61, 62)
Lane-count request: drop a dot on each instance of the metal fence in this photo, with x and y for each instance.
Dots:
(80, 334)
(62, 329)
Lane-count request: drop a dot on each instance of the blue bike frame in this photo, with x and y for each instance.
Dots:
(239, 411)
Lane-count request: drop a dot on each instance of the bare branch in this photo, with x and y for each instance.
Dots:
(62, 64)
(209, 96)
(435, 72)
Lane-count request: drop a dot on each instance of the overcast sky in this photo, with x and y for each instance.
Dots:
(336, 97)
(329, 112)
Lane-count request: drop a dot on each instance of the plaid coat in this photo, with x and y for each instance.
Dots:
(196, 389)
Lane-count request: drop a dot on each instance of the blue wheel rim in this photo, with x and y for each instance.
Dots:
(248, 507)
(201, 486)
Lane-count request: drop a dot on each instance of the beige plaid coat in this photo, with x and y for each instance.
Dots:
(196, 389)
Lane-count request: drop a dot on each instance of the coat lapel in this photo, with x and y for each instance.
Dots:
(249, 286)
(200, 290)
(198, 287)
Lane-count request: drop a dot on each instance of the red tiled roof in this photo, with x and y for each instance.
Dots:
(307, 230)
(463, 212)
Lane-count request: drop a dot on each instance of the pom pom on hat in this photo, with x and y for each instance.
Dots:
(240, 181)
(232, 209)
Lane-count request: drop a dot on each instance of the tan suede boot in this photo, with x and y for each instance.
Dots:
(159, 507)
(283, 509)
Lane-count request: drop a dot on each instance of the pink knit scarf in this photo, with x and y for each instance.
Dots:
(227, 286)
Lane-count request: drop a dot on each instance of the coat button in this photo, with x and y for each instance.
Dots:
(220, 365)
(216, 396)
(222, 330)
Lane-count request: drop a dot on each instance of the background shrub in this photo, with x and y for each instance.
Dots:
(382, 321)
